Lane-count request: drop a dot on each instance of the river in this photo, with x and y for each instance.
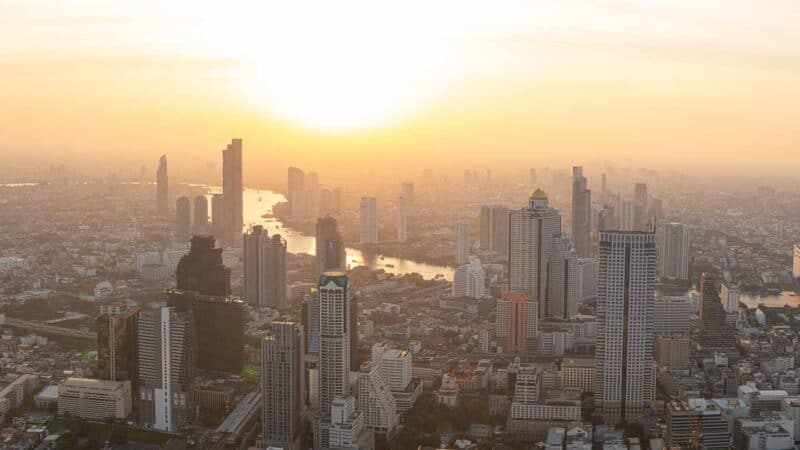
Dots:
(256, 203)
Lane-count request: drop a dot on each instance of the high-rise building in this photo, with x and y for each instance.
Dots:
(167, 364)
(376, 402)
(587, 279)
(671, 314)
(264, 269)
(581, 213)
(297, 185)
(283, 385)
(407, 192)
(334, 339)
(183, 217)
(729, 296)
(201, 270)
(200, 215)
(697, 423)
(517, 322)
(219, 323)
(640, 218)
(330, 250)
(402, 219)
(672, 255)
(672, 351)
(117, 357)
(162, 182)
(796, 262)
(462, 242)
(624, 349)
(494, 229)
(217, 215)
(311, 322)
(344, 427)
(469, 280)
(369, 220)
(232, 191)
(562, 280)
(531, 233)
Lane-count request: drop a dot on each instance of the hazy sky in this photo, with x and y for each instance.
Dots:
(361, 84)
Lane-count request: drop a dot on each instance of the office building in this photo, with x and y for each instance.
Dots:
(96, 400)
(200, 215)
(494, 229)
(577, 374)
(672, 314)
(117, 357)
(796, 262)
(264, 269)
(232, 192)
(462, 242)
(672, 250)
(562, 280)
(283, 385)
(330, 250)
(531, 233)
(311, 322)
(729, 296)
(167, 365)
(296, 187)
(183, 217)
(517, 323)
(672, 351)
(641, 220)
(402, 219)
(587, 279)
(334, 339)
(201, 270)
(581, 213)
(369, 220)
(469, 280)
(696, 423)
(376, 402)
(162, 187)
(624, 350)
(218, 215)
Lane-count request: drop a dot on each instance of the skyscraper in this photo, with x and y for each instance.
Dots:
(283, 385)
(183, 217)
(200, 215)
(672, 250)
(640, 218)
(369, 220)
(469, 280)
(264, 269)
(581, 212)
(494, 229)
(531, 233)
(167, 364)
(311, 322)
(334, 338)
(402, 215)
(117, 352)
(330, 250)
(376, 402)
(563, 288)
(462, 242)
(517, 322)
(162, 181)
(232, 191)
(295, 188)
(624, 350)
(217, 215)
(201, 270)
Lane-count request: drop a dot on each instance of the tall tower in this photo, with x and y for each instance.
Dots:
(264, 268)
(334, 338)
(672, 251)
(581, 212)
(218, 215)
(330, 251)
(369, 220)
(201, 270)
(462, 242)
(376, 402)
(562, 288)
(640, 221)
(183, 217)
(117, 352)
(200, 214)
(232, 191)
(283, 385)
(624, 350)
(402, 216)
(162, 181)
(517, 322)
(494, 228)
(295, 188)
(531, 233)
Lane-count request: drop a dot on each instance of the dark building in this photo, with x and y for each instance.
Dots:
(219, 323)
(715, 334)
(232, 192)
(183, 216)
(117, 352)
(217, 215)
(202, 271)
(329, 246)
(201, 214)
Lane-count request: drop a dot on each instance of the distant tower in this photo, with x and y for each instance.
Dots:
(494, 229)
(202, 271)
(640, 220)
(334, 345)
(296, 186)
(330, 251)
(462, 242)
(672, 251)
(402, 214)
(562, 286)
(264, 269)
(369, 220)
(624, 352)
(232, 192)
(201, 214)
(532, 230)
(581, 212)
(217, 215)
(162, 180)
(183, 217)
(283, 385)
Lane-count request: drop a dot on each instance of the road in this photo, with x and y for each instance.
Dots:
(48, 330)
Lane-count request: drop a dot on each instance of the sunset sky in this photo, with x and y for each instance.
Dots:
(659, 82)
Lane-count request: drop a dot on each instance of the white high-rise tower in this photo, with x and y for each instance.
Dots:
(334, 339)
(283, 385)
